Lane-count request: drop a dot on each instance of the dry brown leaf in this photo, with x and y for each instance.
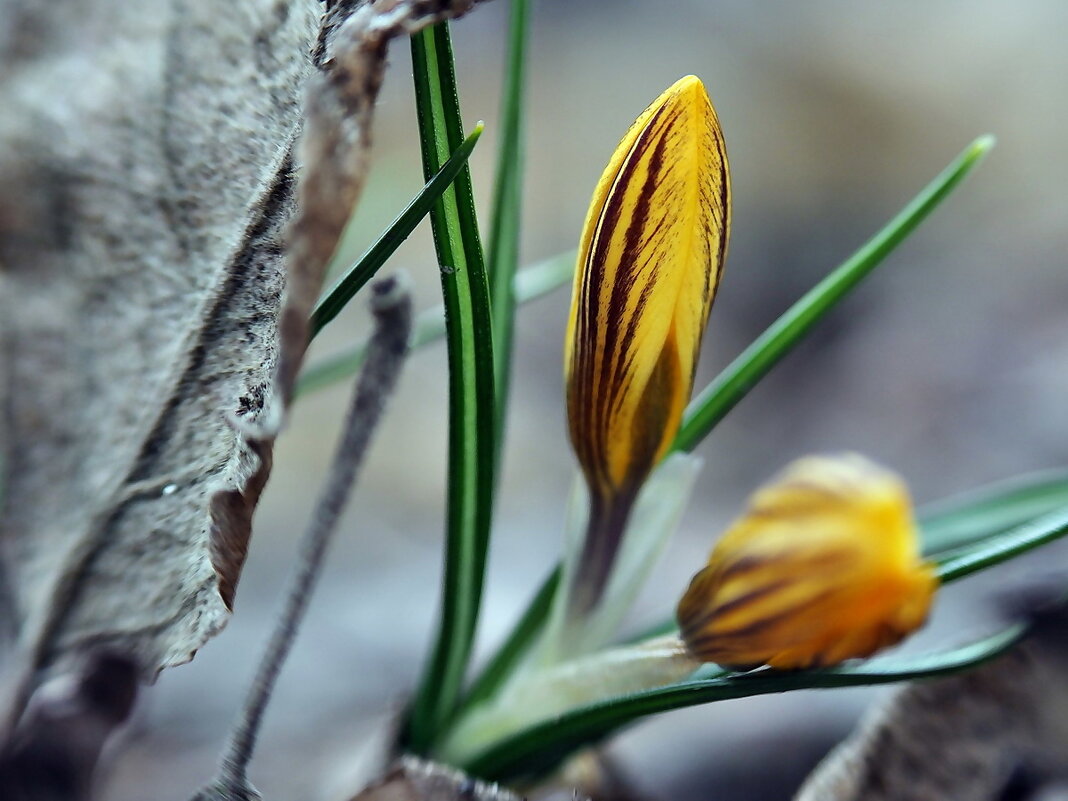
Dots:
(416, 780)
(54, 752)
(145, 189)
(963, 737)
(143, 186)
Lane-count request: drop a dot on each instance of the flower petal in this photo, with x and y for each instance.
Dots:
(823, 566)
(649, 263)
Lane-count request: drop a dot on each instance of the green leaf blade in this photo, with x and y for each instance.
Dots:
(1002, 547)
(357, 276)
(531, 283)
(472, 450)
(503, 248)
(539, 749)
(756, 361)
(966, 519)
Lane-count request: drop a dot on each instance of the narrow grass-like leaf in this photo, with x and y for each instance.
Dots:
(536, 751)
(331, 304)
(972, 516)
(735, 382)
(531, 283)
(472, 451)
(523, 636)
(1003, 547)
(503, 250)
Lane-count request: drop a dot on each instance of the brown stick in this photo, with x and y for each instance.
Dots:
(389, 345)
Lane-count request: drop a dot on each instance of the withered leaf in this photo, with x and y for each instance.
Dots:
(53, 753)
(417, 780)
(146, 185)
(965, 736)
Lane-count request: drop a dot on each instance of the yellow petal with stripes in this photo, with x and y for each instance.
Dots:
(823, 566)
(649, 262)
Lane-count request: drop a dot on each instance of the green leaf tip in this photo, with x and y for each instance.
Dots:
(982, 145)
(714, 402)
(357, 276)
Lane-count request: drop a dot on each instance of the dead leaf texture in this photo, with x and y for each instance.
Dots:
(416, 780)
(149, 335)
(53, 754)
(964, 737)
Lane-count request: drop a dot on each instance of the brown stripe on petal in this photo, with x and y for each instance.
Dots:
(702, 616)
(766, 622)
(622, 291)
(650, 421)
(750, 563)
(725, 608)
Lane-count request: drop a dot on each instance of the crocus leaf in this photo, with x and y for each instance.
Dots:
(767, 350)
(357, 276)
(502, 252)
(536, 751)
(518, 644)
(538, 693)
(531, 283)
(974, 515)
(1002, 547)
(472, 409)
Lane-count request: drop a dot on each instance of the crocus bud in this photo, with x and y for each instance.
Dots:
(649, 262)
(823, 566)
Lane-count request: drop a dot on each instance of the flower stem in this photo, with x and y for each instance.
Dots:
(604, 533)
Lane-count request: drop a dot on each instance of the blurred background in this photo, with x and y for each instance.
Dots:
(948, 364)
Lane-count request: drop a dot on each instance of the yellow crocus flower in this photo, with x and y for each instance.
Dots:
(649, 262)
(823, 566)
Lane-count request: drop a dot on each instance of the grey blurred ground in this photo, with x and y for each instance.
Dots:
(948, 365)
